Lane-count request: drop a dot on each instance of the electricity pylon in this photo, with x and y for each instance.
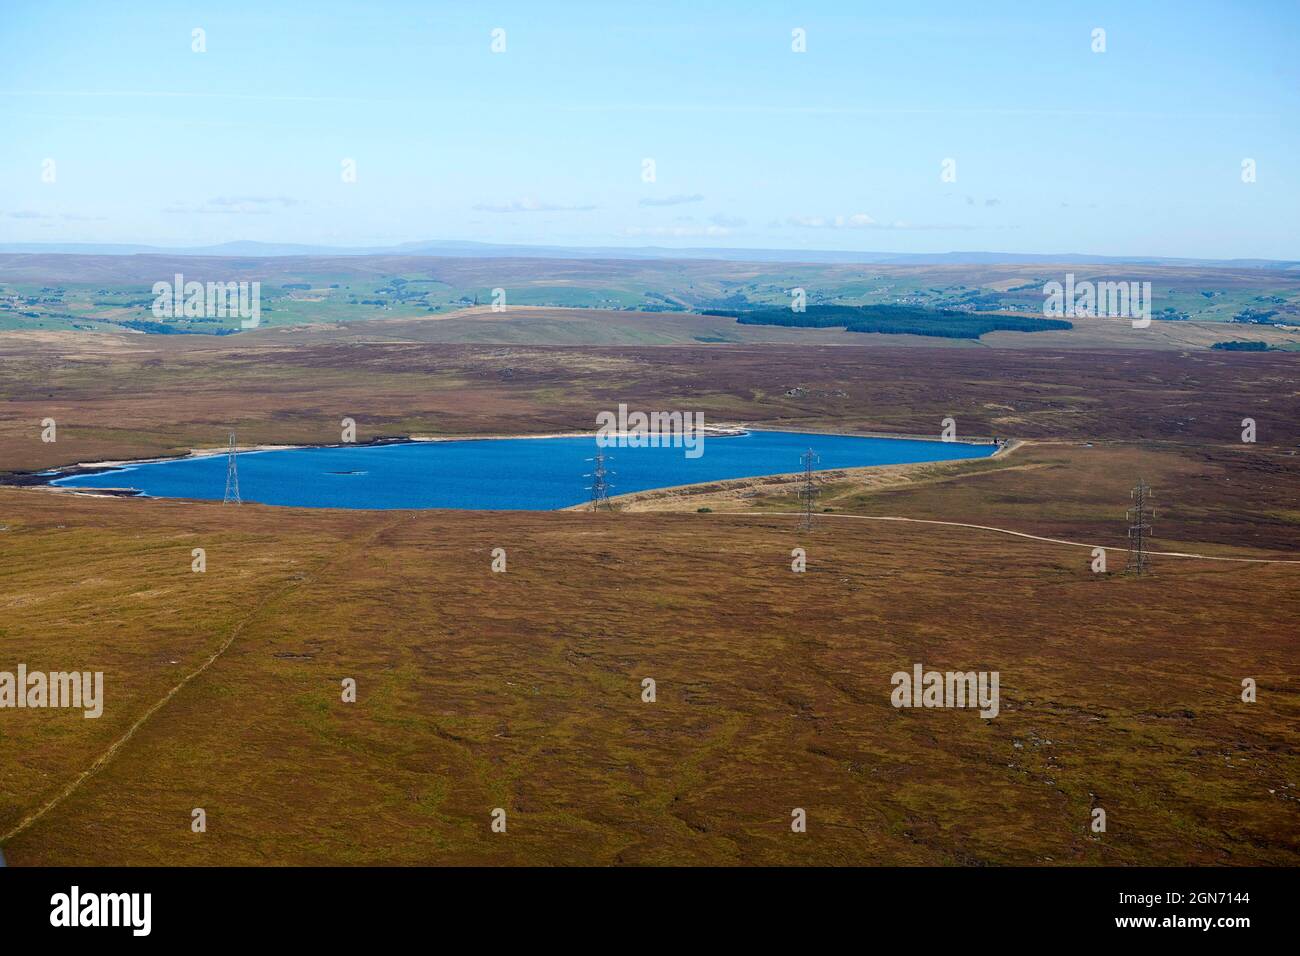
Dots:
(1139, 531)
(808, 493)
(600, 485)
(232, 475)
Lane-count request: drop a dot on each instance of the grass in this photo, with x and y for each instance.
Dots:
(146, 396)
(523, 690)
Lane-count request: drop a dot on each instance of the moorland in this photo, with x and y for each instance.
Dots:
(523, 690)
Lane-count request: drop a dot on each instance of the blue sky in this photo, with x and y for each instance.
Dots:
(1134, 151)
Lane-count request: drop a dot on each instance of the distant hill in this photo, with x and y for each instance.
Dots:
(485, 250)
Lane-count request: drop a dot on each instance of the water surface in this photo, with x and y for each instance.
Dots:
(507, 474)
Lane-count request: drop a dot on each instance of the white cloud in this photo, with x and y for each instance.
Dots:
(255, 201)
(65, 216)
(727, 222)
(858, 220)
(235, 206)
(529, 205)
(675, 200)
(676, 232)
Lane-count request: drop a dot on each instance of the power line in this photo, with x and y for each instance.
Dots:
(232, 475)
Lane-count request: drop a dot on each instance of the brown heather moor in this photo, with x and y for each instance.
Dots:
(522, 690)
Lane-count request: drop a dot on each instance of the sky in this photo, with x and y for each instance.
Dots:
(916, 127)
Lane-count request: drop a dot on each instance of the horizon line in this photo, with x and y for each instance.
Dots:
(119, 248)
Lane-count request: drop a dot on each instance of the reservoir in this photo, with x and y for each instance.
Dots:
(501, 474)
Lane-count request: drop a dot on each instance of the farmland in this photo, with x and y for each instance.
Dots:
(109, 293)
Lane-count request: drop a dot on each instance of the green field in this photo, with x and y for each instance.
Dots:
(105, 293)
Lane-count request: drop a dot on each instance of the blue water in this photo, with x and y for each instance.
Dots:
(506, 474)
